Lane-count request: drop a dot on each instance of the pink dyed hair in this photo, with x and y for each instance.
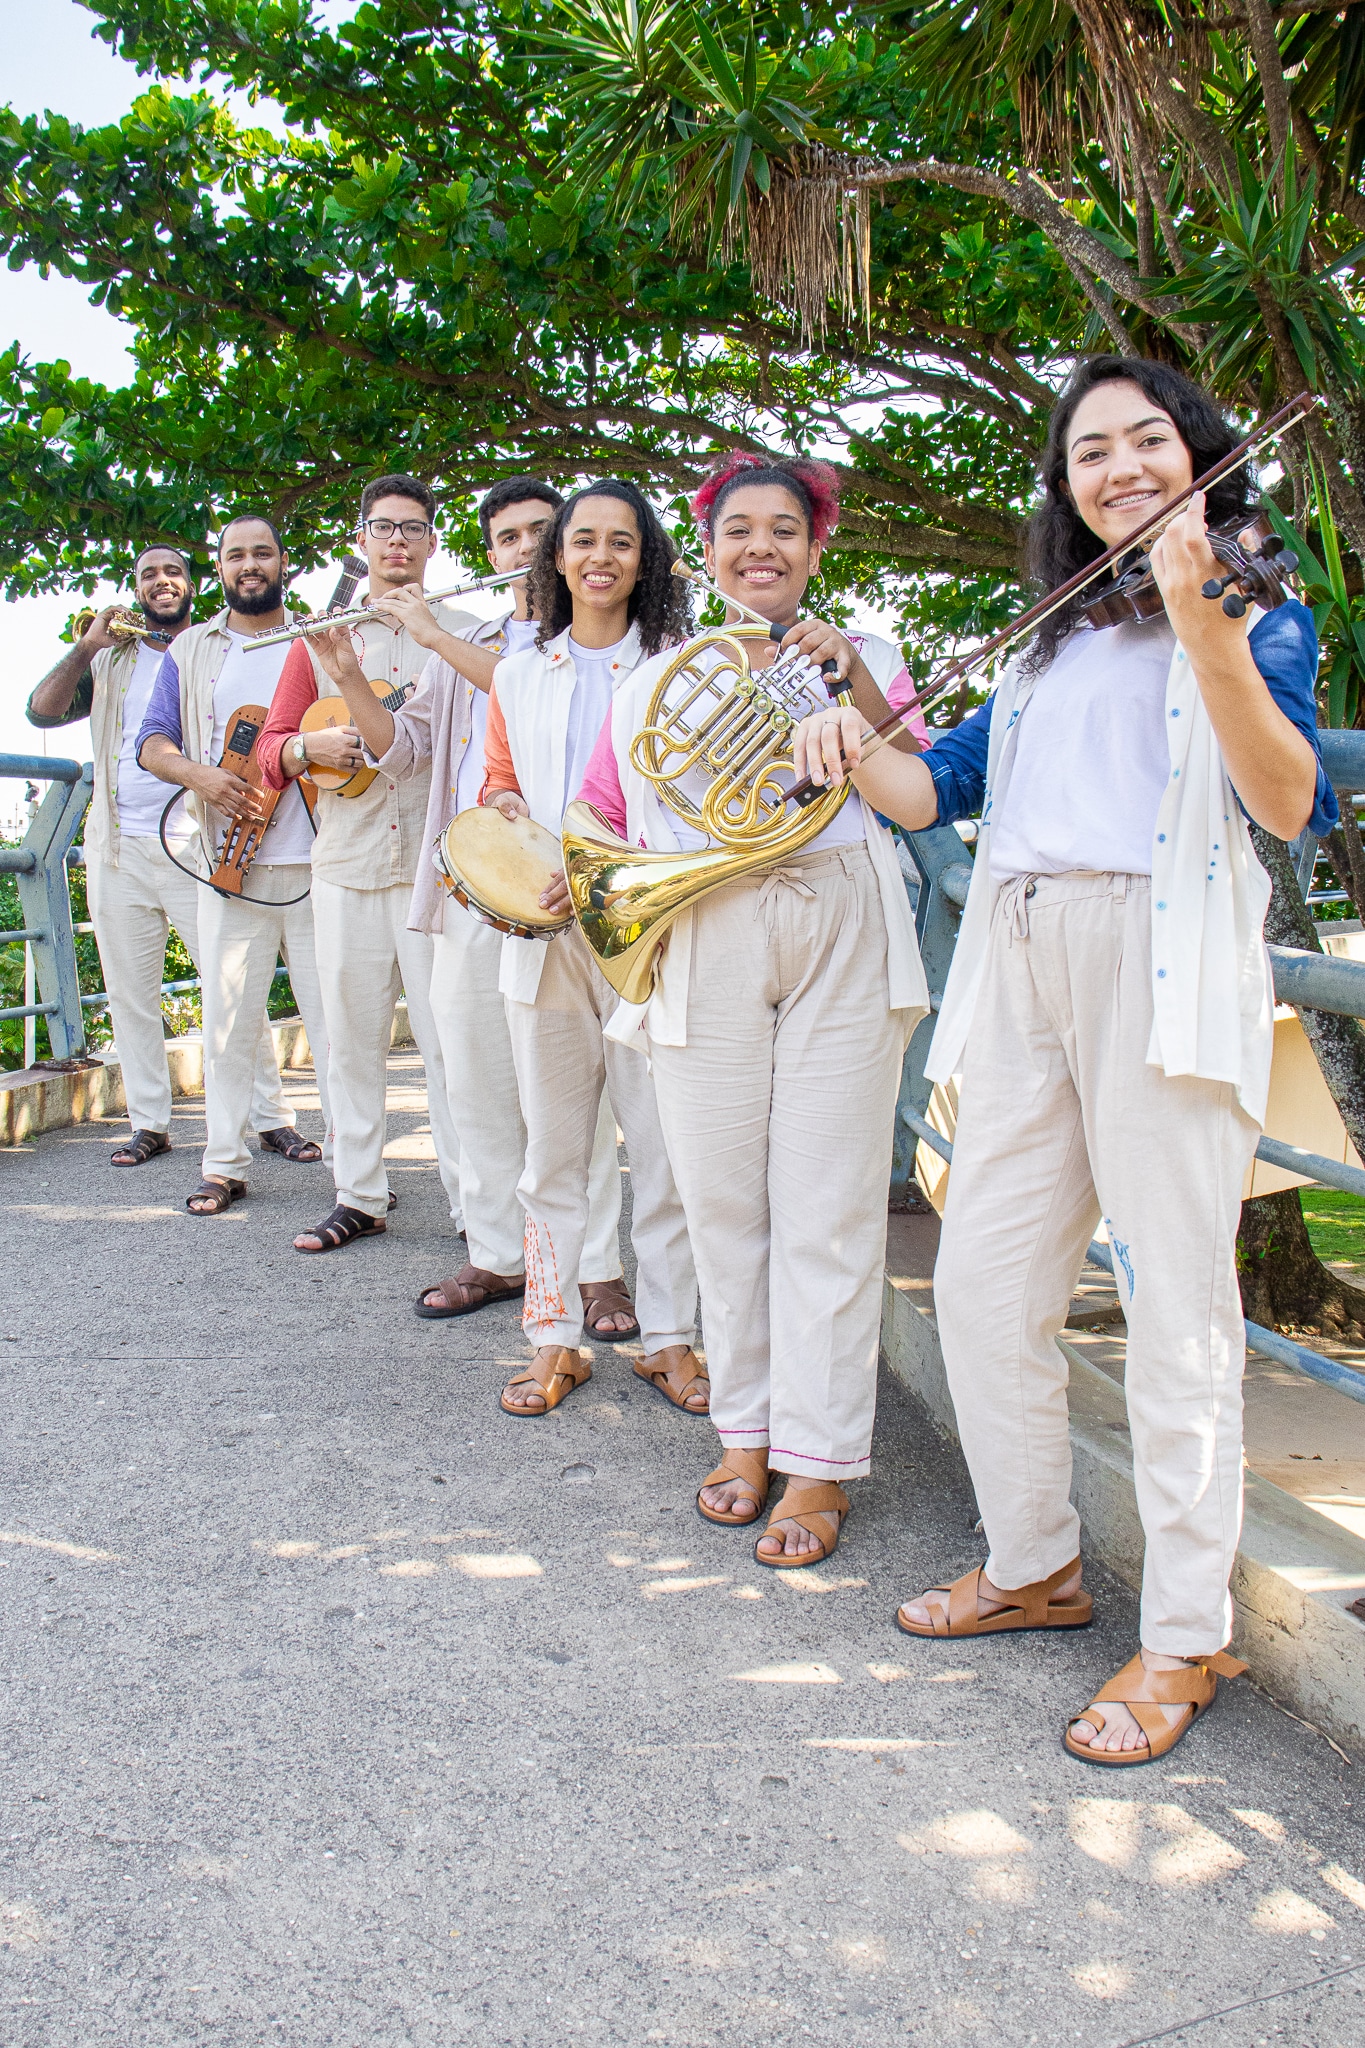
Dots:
(814, 485)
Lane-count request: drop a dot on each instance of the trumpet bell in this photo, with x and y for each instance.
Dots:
(626, 900)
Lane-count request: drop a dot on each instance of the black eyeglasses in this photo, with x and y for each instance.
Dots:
(411, 529)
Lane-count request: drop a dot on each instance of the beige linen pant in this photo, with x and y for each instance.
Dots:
(1061, 1122)
(778, 1113)
(481, 1083)
(240, 944)
(367, 957)
(563, 1062)
(132, 907)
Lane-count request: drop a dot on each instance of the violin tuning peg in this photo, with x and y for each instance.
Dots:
(1273, 545)
(1235, 605)
(1286, 564)
(1213, 588)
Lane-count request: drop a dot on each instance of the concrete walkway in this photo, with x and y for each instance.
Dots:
(341, 1711)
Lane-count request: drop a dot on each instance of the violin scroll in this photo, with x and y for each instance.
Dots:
(1258, 575)
(1257, 565)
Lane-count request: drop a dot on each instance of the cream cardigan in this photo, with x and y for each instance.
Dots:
(1213, 999)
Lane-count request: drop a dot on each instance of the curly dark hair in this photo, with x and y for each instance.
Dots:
(660, 605)
(1057, 541)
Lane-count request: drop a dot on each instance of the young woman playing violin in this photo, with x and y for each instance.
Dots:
(1110, 1011)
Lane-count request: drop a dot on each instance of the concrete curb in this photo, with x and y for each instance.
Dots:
(33, 1101)
(1295, 1573)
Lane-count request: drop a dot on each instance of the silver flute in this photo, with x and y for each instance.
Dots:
(359, 614)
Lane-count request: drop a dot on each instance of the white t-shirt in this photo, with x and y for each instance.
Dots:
(142, 797)
(250, 679)
(518, 635)
(1091, 759)
(588, 710)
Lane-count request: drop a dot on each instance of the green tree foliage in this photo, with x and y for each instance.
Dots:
(596, 236)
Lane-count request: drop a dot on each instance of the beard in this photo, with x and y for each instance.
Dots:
(171, 611)
(251, 604)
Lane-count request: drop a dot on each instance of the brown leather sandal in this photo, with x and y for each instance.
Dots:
(1027, 1607)
(142, 1146)
(607, 1298)
(290, 1144)
(675, 1382)
(458, 1295)
(216, 1196)
(1145, 1693)
(343, 1226)
(556, 1375)
(749, 1468)
(825, 1498)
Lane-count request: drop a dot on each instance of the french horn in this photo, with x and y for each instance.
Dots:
(711, 714)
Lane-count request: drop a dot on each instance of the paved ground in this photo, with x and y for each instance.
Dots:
(340, 1709)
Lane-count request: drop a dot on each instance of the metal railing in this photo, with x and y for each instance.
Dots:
(1307, 981)
(39, 863)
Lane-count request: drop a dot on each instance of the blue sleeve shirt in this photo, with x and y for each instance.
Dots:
(1284, 647)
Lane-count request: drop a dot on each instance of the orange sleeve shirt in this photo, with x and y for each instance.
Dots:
(499, 772)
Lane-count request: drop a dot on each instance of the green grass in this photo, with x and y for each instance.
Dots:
(1336, 1225)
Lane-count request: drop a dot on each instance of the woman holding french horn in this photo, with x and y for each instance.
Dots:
(1110, 1012)
(776, 1027)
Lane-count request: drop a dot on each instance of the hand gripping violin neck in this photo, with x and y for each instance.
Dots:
(1257, 563)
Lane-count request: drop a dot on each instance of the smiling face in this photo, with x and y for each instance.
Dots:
(599, 555)
(252, 568)
(761, 550)
(397, 559)
(163, 586)
(1124, 459)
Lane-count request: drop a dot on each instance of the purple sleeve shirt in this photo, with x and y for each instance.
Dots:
(163, 708)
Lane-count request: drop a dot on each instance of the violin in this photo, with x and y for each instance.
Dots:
(1257, 562)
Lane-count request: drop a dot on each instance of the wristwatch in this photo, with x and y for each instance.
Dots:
(299, 746)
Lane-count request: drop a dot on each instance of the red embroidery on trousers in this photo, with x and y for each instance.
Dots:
(544, 1304)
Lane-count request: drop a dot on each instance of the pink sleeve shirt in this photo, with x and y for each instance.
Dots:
(602, 782)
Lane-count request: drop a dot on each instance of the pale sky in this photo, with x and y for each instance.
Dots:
(52, 61)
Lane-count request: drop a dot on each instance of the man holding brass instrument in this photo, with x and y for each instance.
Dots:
(134, 889)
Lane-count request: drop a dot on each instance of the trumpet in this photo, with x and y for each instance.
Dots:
(359, 614)
(125, 623)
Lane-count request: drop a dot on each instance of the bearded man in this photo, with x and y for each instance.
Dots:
(134, 888)
(203, 682)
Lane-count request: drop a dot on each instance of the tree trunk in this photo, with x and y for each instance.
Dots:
(1285, 1285)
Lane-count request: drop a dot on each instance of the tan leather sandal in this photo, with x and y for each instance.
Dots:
(470, 1290)
(687, 1375)
(603, 1299)
(1145, 1693)
(745, 1468)
(556, 1375)
(1027, 1607)
(825, 1498)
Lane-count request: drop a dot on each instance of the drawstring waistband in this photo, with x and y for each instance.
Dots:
(1018, 892)
(775, 879)
(1014, 900)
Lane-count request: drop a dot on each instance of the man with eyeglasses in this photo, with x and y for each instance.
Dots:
(369, 843)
